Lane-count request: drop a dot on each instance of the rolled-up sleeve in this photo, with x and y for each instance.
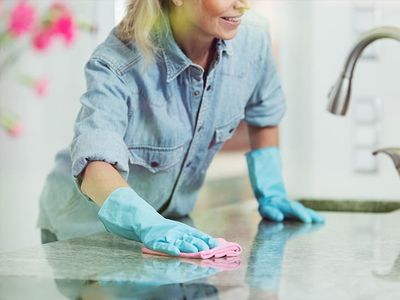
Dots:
(102, 121)
(266, 107)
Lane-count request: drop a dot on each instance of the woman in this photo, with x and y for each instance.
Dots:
(165, 90)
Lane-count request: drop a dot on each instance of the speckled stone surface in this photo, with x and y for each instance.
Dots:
(352, 256)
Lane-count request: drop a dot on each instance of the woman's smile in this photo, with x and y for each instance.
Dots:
(231, 22)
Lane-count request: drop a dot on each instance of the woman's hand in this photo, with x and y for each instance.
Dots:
(266, 180)
(126, 214)
(173, 237)
(279, 209)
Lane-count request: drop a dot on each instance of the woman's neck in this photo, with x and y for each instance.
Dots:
(198, 47)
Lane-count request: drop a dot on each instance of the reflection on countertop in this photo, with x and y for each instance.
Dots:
(352, 256)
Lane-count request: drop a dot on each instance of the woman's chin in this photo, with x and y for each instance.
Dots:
(227, 35)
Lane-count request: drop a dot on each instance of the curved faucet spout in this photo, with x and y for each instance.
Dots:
(394, 154)
(339, 96)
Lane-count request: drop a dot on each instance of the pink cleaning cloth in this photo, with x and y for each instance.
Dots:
(223, 249)
(224, 263)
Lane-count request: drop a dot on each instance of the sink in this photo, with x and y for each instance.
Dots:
(224, 191)
(357, 206)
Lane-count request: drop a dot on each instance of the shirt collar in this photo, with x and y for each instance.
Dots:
(175, 60)
(225, 46)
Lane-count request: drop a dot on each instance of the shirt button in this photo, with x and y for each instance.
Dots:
(188, 164)
(231, 130)
(154, 164)
(196, 93)
(200, 129)
(209, 88)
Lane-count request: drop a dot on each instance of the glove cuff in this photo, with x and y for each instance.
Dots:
(125, 211)
(264, 167)
(266, 151)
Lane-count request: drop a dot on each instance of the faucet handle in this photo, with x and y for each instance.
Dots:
(394, 154)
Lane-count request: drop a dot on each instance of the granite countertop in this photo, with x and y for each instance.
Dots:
(352, 256)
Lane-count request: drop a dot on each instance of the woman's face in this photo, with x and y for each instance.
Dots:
(215, 18)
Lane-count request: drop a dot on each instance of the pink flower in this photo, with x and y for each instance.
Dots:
(39, 84)
(59, 22)
(22, 19)
(17, 129)
(42, 39)
(42, 86)
(63, 23)
(65, 26)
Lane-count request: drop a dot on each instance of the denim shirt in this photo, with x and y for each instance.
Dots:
(160, 127)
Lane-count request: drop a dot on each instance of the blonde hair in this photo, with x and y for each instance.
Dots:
(142, 16)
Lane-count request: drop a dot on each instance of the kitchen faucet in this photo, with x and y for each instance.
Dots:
(339, 96)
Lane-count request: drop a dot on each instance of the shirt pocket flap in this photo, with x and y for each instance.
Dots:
(226, 131)
(156, 159)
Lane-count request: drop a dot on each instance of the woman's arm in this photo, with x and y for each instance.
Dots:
(266, 179)
(261, 137)
(126, 214)
(99, 180)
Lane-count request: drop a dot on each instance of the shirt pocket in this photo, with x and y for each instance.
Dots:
(156, 159)
(225, 132)
(220, 135)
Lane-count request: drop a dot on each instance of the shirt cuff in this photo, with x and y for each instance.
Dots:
(99, 145)
(262, 115)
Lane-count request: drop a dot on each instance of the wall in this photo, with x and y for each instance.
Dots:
(333, 154)
(312, 39)
(25, 162)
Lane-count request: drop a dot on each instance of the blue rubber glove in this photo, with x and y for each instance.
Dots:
(264, 167)
(126, 214)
